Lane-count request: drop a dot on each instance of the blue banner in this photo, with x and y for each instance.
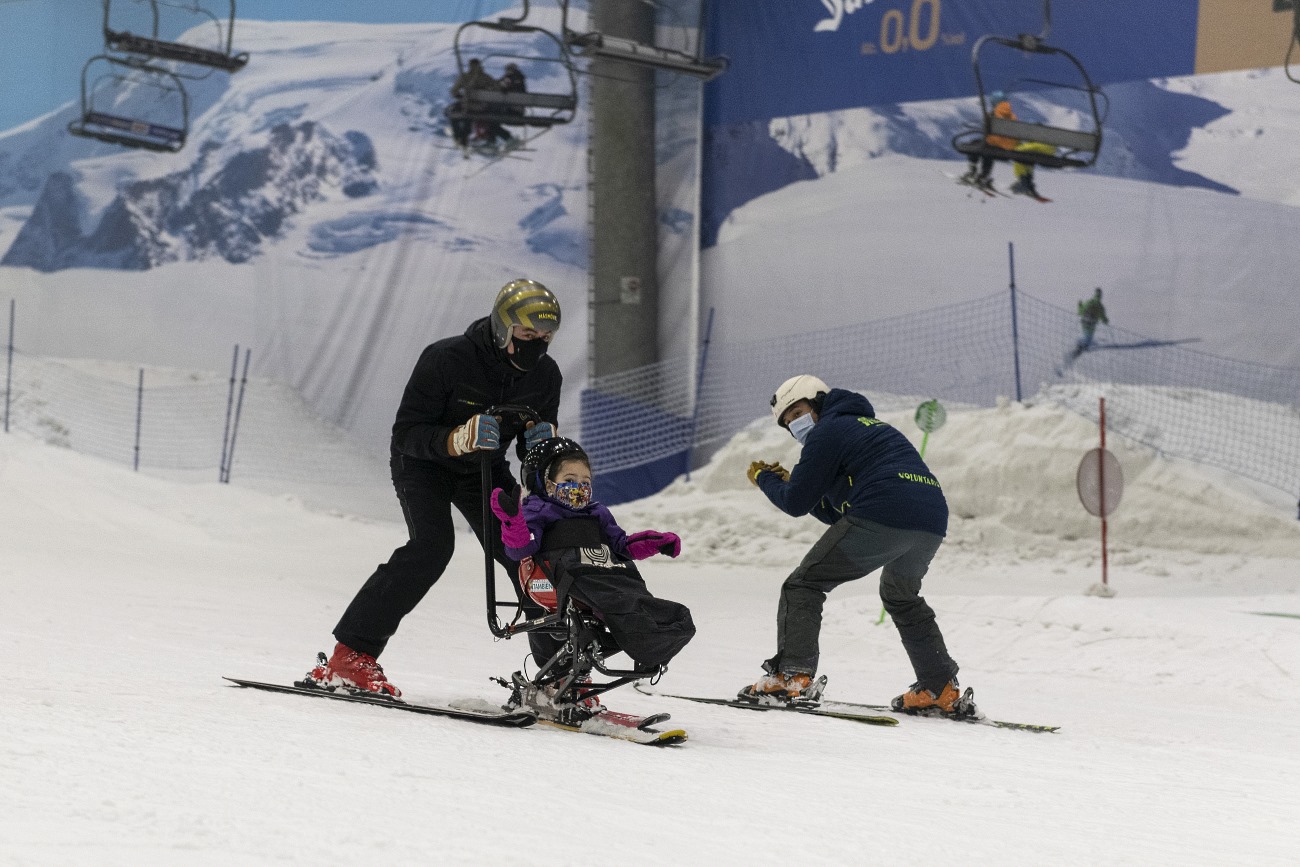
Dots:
(793, 57)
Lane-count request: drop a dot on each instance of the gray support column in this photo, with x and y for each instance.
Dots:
(624, 298)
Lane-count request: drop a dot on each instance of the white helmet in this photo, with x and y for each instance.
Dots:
(795, 389)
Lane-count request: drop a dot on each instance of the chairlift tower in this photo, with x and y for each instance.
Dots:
(624, 294)
(622, 61)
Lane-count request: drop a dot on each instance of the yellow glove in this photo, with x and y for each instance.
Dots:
(760, 466)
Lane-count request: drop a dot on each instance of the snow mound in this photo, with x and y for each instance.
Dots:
(1009, 475)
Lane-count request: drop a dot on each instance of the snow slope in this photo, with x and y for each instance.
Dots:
(128, 596)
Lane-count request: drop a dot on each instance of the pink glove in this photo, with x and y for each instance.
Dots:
(514, 529)
(647, 543)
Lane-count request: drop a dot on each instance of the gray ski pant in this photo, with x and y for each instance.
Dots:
(851, 549)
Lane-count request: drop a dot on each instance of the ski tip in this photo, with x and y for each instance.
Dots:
(670, 738)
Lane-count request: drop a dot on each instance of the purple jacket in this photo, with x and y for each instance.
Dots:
(541, 511)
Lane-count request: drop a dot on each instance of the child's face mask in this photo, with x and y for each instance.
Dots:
(575, 495)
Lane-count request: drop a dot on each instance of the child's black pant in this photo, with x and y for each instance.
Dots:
(648, 629)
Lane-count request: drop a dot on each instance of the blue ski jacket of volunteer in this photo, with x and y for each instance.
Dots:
(857, 465)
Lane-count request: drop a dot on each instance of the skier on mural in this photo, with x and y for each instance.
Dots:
(980, 174)
(512, 81)
(475, 77)
(1091, 312)
(439, 437)
(886, 511)
(584, 555)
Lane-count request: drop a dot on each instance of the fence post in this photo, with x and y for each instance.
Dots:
(699, 387)
(139, 415)
(9, 371)
(239, 405)
(230, 400)
(1015, 327)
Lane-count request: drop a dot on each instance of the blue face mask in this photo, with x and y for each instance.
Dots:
(575, 495)
(801, 427)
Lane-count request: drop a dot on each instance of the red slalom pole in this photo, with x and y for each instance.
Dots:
(1101, 492)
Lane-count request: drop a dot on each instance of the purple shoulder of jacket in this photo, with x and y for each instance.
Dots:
(540, 512)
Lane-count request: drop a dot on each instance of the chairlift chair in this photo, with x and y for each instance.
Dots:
(528, 109)
(582, 638)
(153, 46)
(103, 76)
(1074, 148)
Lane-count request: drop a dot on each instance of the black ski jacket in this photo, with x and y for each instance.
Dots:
(457, 378)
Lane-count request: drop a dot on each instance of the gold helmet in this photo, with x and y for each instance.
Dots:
(525, 303)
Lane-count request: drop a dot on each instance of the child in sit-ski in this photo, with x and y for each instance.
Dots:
(587, 556)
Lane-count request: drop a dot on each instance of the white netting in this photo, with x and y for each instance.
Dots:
(1236, 415)
(1160, 393)
(184, 419)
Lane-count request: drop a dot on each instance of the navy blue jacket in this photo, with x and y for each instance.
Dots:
(855, 464)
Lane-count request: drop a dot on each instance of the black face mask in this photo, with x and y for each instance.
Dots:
(527, 353)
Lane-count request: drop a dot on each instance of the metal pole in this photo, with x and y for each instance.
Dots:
(1101, 491)
(139, 415)
(9, 372)
(230, 400)
(699, 388)
(239, 405)
(1015, 326)
(625, 218)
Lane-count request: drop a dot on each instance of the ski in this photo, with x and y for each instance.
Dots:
(990, 190)
(978, 720)
(484, 712)
(533, 699)
(810, 709)
(623, 727)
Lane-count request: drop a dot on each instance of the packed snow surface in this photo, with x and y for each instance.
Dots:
(128, 596)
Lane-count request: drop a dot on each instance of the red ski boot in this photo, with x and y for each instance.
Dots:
(354, 670)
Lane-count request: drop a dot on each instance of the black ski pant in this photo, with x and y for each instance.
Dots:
(427, 495)
(648, 629)
(851, 549)
(460, 129)
(982, 166)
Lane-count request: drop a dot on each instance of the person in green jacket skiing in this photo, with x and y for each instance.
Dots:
(1091, 312)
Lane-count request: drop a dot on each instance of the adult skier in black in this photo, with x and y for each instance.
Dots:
(885, 510)
(437, 443)
(475, 77)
